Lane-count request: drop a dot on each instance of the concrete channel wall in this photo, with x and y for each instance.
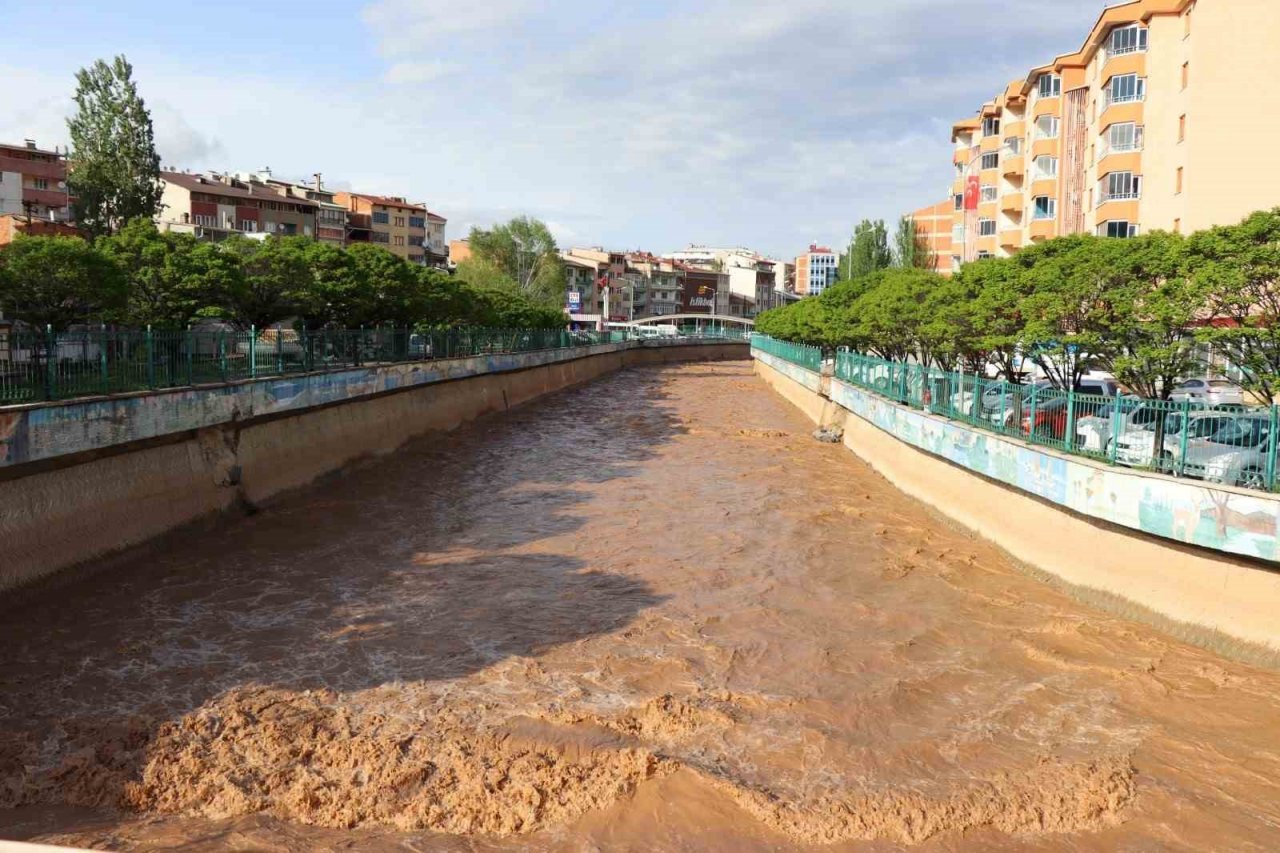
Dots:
(1171, 547)
(81, 480)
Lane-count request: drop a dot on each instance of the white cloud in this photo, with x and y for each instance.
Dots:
(424, 71)
(408, 26)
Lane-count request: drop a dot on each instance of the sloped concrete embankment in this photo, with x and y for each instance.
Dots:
(1214, 599)
(67, 509)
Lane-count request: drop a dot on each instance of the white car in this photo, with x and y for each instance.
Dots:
(1136, 445)
(1214, 392)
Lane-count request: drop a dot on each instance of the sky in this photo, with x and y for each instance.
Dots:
(632, 125)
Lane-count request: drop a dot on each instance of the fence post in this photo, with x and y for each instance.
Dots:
(151, 358)
(191, 356)
(1115, 431)
(253, 352)
(222, 353)
(1069, 434)
(50, 361)
(102, 359)
(1271, 452)
(1031, 419)
(1182, 438)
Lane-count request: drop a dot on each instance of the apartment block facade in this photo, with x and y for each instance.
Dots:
(33, 183)
(391, 222)
(815, 270)
(213, 206)
(1160, 121)
(933, 234)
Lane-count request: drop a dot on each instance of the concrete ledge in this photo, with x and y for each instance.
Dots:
(73, 512)
(1216, 593)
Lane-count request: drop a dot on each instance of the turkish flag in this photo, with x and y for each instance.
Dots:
(972, 192)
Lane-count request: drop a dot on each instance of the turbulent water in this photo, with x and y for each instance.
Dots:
(648, 613)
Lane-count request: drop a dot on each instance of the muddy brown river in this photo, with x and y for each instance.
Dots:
(650, 613)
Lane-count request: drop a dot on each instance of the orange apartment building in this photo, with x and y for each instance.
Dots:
(390, 222)
(933, 232)
(1162, 120)
(815, 270)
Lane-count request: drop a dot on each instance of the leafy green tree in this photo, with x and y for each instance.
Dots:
(993, 292)
(114, 172)
(870, 251)
(525, 252)
(1068, 282)
(1235, 270)
(1148, 313)
(910, 247)
(893, 317)
(276, 283)
(339, 297)
(59, 281)
(172, 278)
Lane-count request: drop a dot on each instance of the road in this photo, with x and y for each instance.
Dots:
(651, 613)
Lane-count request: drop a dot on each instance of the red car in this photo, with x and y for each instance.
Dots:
(1051, 419)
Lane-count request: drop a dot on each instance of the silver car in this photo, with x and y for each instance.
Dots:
(1214, 392)
(1228, 448)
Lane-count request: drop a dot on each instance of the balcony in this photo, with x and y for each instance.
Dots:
(48, 198)
(1043, 229)
(1011, 239)
(1047, 107)
(53, 170)
(1014, 167)
(1012, 203)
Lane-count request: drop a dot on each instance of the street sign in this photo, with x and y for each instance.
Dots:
(575, 300)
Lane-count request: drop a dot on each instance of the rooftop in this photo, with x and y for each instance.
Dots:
(214, 186)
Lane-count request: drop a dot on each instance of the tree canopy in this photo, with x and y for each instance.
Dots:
(114, 174)
(1140, 308)
(518, 255)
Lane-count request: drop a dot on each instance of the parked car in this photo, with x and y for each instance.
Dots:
(1050, 419)
(1094, 429)
(1228, 448)
(1136, 445)
(1214, 392)
(1103, 386)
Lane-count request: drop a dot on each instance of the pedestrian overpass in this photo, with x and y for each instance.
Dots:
(698, 320)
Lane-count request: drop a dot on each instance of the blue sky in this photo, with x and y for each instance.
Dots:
(633, 125)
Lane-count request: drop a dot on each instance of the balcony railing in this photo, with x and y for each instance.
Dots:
(1132, 195)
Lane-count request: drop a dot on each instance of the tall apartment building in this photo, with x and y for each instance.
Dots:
(933, 234)
(663, 283)
(213, 206)
(1161, 120)
(815, 270)
(388, 221)
(33, 183)
(331, 217)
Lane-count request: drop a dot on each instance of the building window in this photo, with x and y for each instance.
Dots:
(379, 237)
(1120, 186)
(989, 193)
(991, 160)
(983, 254)
(959, 201)
(381, 218)
(206, 219)
(1178, 181)
(991, 126)
(1125, 136)
(249, 226)
(1013, 146)
(417, 222)
(1049, 86)
(1130, 39)
(269, 227)
(1118, 228)
(1182, 128)
(399, 223)
(1047, 127)
(40, 183)
(1044, 207)
(1186, 74)
(1125, 88)
(957, 234)
(1046, 167)
(1177, 226)
(986, 228)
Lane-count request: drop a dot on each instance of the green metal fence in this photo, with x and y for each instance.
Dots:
(810, 358)
(38, 366)
(1186, 437)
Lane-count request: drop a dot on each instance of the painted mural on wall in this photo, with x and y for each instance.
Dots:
(1183, 510)
(45, 432)
(807, 378)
